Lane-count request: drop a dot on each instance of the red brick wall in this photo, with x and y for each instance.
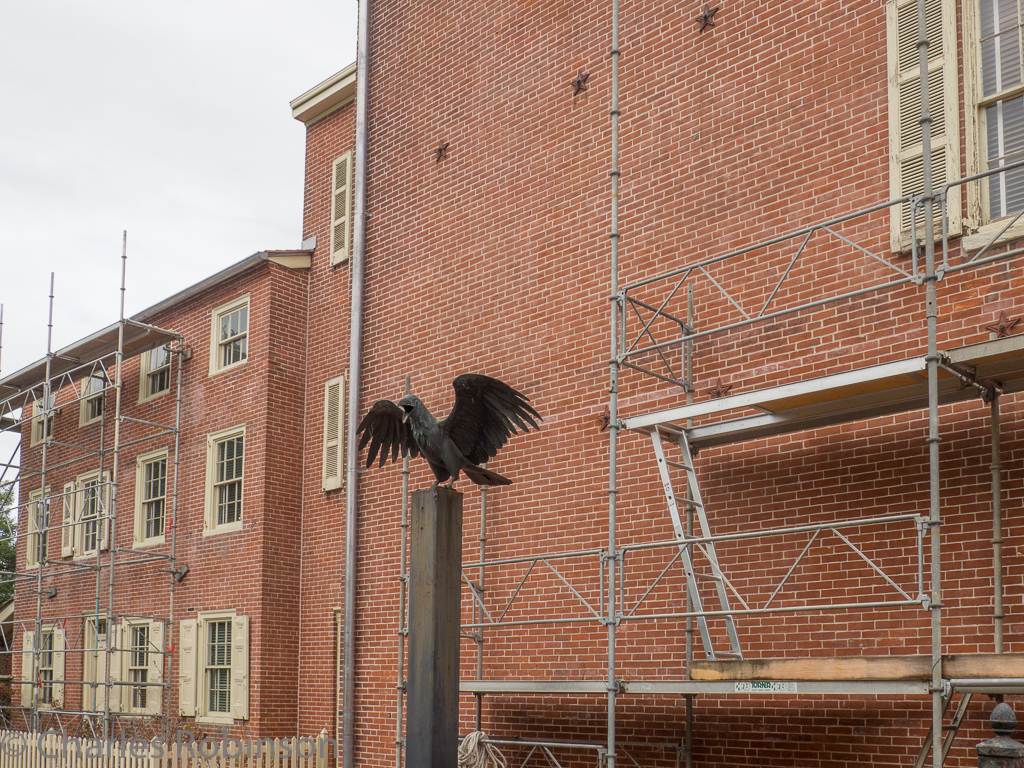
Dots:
(255, 570)
(496, 260)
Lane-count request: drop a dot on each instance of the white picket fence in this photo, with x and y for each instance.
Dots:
(19, 749)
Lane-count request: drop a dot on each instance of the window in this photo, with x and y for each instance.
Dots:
(136, 665)
(91, 405)
(150, 498)
(341, 184)
(224, 465)
(229, 343)
(214, 683)
(89, 521)
(155, 372)
(42, 420)
(38, 528)
(42, 667)
(334, 434)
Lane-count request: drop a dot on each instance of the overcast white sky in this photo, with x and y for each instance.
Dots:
(168, 120)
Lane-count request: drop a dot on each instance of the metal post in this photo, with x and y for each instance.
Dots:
(481, 577)
(435, 584)
(931, 300)
(616, 307)
(403, 594)
(688, 380)
(997, 528)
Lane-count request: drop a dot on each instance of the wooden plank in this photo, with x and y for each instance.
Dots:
(956, 666)
(983, 665)
(839, 668)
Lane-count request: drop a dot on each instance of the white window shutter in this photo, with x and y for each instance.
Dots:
(105, 523)
(28, 668)
(906, 151)
(67, 532)
(116, 634)
(240, 668)
(155, 676)
(59, 644)
(341, 203)
(188, 662)
(334, 434)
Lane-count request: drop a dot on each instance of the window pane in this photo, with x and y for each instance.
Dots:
(218, 666)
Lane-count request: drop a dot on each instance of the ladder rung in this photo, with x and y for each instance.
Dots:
(708, 576)
(729, 654)
(678, 465)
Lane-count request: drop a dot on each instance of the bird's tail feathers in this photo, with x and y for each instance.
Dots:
(482, 476)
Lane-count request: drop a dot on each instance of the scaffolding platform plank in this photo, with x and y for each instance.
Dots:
(862, 393)
(916, 667)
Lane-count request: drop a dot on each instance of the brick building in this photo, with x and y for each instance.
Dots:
(760, 299)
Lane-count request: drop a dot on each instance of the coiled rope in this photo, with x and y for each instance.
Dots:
(474, 751)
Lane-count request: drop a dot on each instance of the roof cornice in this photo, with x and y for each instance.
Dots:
(321, 100)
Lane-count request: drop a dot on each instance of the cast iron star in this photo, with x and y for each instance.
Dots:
(706, 17)
(441, 151)
(1003, 326)
(719, 390)
(580, 83)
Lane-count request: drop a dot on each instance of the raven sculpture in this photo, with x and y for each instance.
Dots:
(486, 413)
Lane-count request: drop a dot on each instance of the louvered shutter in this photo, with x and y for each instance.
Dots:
(341, 185)
(155, 675)
(187, 668)
(240, 667)
(28, 667)
(105, 512)
(117, 634)
(59, 644)
(67, 532)
(334, 434)
(906, 152)
(96, 667)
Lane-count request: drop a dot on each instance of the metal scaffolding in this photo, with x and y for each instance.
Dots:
(653, 337)
(87, 375)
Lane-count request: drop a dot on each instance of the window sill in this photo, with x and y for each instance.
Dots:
(154, 542)
(233, 367)
(215, 720)
(226, 528)
(983, 236)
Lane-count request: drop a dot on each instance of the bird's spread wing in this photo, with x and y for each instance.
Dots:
(385, 431)
(486, 413)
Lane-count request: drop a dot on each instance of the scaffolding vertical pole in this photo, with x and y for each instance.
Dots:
(173, 564)
(997, 527)
(403, 596)
(690, 509)
(477, 613)
(613, 390)
(931, 300)
(47, 415)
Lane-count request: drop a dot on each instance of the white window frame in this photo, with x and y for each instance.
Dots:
(341, 220)
(93, 390)
(215, 341)
(140, 539)
(102, 517)
(333, 473)
(36, 435)
(30, 667)
(194, 683)
(147, 371)
(979, 220)
(36, 499)
(153, 666)
(210, 524)
(945, 145)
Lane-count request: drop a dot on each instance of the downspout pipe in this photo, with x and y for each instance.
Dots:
(355, 383)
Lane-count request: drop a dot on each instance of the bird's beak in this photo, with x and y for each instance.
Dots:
(406, 410)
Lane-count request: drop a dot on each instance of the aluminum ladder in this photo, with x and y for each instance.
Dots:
(692, 498)
(950, 730)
